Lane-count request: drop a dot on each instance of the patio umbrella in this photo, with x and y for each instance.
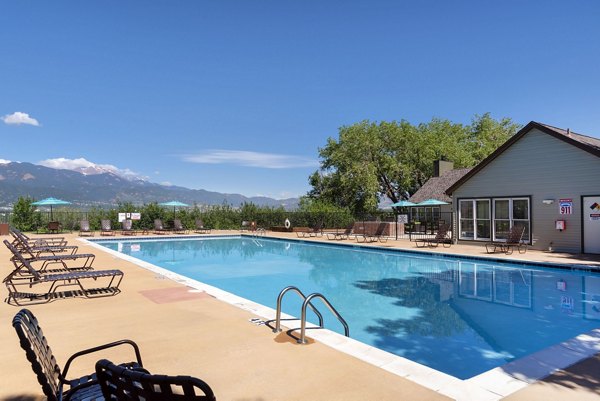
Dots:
(174, 204)
(50, 202)
(431, 202)
(403, 203)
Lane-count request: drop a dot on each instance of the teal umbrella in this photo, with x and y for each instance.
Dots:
(174, 204)
(50, 202)
(431, 202)
(403, 203)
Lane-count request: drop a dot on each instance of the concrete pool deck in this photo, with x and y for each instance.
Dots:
(184, 331)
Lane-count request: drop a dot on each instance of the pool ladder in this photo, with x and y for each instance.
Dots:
(305, 304)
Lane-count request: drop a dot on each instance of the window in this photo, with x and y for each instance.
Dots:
(484, 219)
(509, 212)
(474, 219)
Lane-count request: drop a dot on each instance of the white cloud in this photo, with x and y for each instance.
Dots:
(86, 167)
(166, 183)
(4, 161)
(18, 118)
(250, 159)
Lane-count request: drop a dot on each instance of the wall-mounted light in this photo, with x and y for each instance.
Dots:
(548, 201)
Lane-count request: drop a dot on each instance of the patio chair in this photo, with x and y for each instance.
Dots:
(54, 226)
(84, 229)
(38, 247)
(106, 228)
(245, 226)
(49, 374)
(200, 228)
(514, 239)
(50, 283)
(341, 235)
(127, 227)
(378, 235)
(178, 228)
(84, 262)
(441, 237)
(315, 231)
(159, 228)
(121, 383)
(39, 241)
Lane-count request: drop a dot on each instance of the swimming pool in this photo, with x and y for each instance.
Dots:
(458, 316)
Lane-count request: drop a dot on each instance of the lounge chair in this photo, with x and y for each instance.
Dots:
(315, 231)
(39, 247)
(378, 235)
(178, 228)
(441, 237)
(121, 383)
(39, 241)
(513, 240)
(106, 228)
(200, 228)
(127, 227)
(159, 228)
(341, 235)
(51, 377)
(84, 229)
(50, 282)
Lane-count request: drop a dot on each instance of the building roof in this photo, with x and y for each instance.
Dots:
(584, 142)
(435, 187)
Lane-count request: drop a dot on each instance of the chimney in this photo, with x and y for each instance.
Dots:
(441, 166)
(568, 132)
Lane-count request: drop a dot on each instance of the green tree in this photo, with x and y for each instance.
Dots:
(24, 216)
(370, 161)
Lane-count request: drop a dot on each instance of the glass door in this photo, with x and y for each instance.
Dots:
(474, 219)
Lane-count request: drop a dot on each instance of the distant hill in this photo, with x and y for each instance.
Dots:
(99, 188)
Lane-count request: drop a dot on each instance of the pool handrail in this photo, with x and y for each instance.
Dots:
(306, 303)
(277, 328)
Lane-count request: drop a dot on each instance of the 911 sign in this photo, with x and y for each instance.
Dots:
(565, 206)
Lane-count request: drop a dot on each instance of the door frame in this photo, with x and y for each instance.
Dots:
(583, 222)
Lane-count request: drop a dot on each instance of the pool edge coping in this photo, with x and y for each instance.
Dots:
(491, 385)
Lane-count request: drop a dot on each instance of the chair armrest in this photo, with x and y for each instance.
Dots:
(63, 377)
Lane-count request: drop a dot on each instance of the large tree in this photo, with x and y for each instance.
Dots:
(371, 161)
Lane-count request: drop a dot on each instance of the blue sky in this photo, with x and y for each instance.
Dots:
(237, 96)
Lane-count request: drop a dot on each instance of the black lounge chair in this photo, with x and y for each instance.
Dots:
(127, 227)
(315, 231)
(39, 247)
(38, 241)
(84, 260)
(200, 228)
(84, 229)
(341, 235)
(178, 227)
(120, 383)
(50, 376)
(378, 235)
(106, 228)
(513, 240)
(159, 228)
(441, 237)
(24, 279)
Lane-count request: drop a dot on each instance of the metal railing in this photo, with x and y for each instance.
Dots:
(306, 304)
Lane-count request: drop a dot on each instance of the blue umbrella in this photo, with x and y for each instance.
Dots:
(174, 204)
(50, 202)
(431, 202)
(403, 203)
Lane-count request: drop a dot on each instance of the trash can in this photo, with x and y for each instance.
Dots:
(3, 228)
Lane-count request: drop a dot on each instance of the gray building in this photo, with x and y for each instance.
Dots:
(544, 178)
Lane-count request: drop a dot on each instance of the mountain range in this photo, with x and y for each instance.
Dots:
(95, 186)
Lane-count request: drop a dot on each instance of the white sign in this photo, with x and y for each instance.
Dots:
(403, 218)
(136, 216)
(121, 217)
(565, 206)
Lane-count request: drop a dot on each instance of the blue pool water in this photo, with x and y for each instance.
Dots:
(462, 317)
